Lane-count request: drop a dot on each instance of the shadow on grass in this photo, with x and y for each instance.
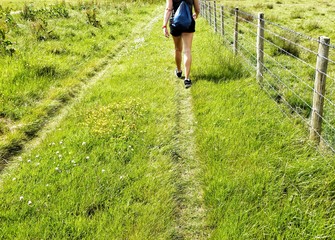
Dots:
(221, 74)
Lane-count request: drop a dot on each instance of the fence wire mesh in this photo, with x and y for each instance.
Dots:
(289, 63)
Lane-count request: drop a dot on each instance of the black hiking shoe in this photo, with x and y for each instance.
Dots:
(178, 74)
(187, 83)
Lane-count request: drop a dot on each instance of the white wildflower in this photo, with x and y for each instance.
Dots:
(21, 198)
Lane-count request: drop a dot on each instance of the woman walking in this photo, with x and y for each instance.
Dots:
(182, 38)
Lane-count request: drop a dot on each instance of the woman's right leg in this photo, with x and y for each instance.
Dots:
(178, 44)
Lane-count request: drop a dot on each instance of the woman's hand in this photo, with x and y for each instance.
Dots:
(166, 32)
(195, 16)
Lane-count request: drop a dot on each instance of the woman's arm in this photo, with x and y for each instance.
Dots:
(167, 15)
(196, 8)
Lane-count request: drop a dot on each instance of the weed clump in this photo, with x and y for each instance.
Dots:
(46, 71)
(6, 24)
(286, 45)
(269, 6)
(91, 15)
(38, 18)
(246, 17)
(42, 33)
(28, 12)
(312, 25)
(56, 11)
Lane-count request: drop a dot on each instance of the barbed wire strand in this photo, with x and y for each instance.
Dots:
(287, 70)
(310, 107)
(248, 30)
(291, 31)
(288, 53)
(287, 87)
(301, 81)
(298, 33)
(278, 78)
(292, 74)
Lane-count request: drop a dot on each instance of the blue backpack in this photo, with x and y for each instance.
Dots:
(182, 19)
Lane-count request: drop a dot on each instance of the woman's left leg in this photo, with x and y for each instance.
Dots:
(187, 47)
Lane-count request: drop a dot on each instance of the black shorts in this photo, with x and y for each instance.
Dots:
(176, 33)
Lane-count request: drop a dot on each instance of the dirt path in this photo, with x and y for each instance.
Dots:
(191, 212)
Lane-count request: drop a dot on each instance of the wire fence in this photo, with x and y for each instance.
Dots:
(294, 69)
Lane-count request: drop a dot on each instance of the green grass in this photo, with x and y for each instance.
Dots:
(290, 58)
(293, 14)
(42, 76)
(261, 178)
(106, 171)
(262, 181)
(110, 169)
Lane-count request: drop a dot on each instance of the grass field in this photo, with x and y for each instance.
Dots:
(291, 45)
(310, 17)
(107, 144)
(62, 54)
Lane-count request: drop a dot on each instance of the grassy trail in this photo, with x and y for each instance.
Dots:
(191, 212)
(137, 156)
(125, 156)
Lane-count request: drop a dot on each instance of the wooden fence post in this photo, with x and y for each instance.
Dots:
(236, 31)
(215, 20)
(260, 48)
(319, 89)
(203, 11)
(222, 20)
(210, 13)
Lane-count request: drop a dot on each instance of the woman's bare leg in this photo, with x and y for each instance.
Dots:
(178, 44)
(187, 39)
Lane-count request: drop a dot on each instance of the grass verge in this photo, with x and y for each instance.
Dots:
(261, 178)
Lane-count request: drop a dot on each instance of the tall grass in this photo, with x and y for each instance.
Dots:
(106, 172)
(108, 169)
(56, 54)
(261, 178)
(290, 52)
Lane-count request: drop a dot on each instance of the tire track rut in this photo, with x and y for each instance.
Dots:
(131, 43)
